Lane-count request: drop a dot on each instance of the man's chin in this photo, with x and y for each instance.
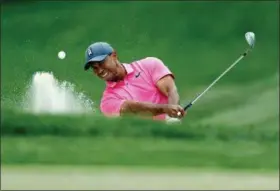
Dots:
(112, 79)
(109, 79)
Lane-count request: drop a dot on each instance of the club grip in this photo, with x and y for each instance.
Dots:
(187, 106)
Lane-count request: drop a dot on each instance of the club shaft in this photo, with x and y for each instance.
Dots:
(229, 68)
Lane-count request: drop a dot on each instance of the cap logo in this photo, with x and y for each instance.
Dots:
(89, 52)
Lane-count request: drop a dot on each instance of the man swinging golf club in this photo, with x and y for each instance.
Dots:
(144, 87)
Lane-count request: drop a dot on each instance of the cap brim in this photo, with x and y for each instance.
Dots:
(95, 59)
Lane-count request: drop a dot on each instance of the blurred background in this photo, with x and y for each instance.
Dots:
(228, 140)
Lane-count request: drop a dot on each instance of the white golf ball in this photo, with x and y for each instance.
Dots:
(179, 113)
(61, 55)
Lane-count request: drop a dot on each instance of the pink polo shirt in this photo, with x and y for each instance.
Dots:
(138, 85)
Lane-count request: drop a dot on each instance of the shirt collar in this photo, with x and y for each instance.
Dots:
(128, 69)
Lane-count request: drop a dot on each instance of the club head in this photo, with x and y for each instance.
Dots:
(250, 38)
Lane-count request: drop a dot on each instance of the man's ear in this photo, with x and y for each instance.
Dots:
(114, 55)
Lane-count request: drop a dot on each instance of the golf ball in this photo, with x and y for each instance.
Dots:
(61, 54)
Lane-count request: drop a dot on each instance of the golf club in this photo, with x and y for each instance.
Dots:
(250, 38)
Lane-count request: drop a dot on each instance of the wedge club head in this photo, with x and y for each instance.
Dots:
(250, 38)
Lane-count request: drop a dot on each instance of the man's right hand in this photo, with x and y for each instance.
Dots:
(174, 111)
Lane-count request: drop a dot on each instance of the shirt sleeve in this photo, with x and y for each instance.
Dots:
(157, 69)
(111, 105)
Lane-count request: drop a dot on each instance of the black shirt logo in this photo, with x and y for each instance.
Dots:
(137, 75)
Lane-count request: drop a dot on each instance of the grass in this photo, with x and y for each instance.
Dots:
(139, 152)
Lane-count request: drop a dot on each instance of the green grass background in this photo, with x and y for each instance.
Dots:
(196, 40)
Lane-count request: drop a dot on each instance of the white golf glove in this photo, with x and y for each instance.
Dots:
(171, 120)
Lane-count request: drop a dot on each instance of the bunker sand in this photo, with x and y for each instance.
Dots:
(75, 178)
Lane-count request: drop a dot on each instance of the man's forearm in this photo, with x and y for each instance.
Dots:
(142, 108)
(173, 97)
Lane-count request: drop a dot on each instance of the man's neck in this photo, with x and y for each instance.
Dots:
(121, 73)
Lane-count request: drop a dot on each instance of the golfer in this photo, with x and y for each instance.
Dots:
(144, 87)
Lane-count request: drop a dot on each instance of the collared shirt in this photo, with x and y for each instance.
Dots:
(138, 85)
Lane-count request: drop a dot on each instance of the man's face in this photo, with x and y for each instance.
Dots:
(107, 69)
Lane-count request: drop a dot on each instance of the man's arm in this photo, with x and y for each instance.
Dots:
(150, 109)
(167, 86)
(112, 105)
(142, 108)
